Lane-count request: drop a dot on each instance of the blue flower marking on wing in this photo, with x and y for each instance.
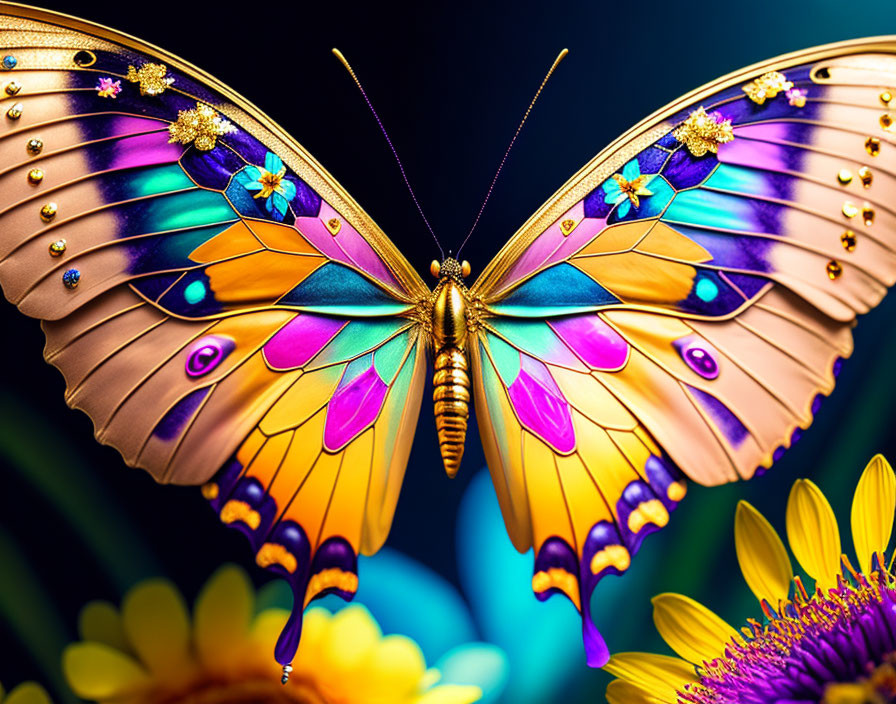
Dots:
(626, 189)
(269, 183)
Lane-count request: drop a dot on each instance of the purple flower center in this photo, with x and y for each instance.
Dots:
(829, 648)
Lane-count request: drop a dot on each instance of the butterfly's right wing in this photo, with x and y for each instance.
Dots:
(213, 298)
(678, 309)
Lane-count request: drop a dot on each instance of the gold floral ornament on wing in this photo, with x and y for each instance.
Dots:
(153, 78)
(767, 86)
(202, 126)
(703, 132)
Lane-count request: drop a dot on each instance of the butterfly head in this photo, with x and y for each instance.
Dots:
(450, 268)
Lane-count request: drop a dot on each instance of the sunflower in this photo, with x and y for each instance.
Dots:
(834, 644)
(150, 652)
(25, 693)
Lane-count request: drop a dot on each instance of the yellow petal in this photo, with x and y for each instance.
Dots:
(622, 692)
(351, 636)
(690, 629)
(28, 693)
(450, 694)
(100, 621)
(263, 634)
(268, 624)
(393, 671)
(97, 672)
(813, 534)
(660, 676)
(221, 618)
(762, 556)
(157, 625)
(310, 655)
(872, 511)
(430, 678)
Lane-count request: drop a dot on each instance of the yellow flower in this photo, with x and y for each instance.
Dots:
(149, 652)
(785, 656)
(25, 693)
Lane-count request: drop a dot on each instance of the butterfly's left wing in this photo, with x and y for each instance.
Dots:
(680, 307)
(218, 305)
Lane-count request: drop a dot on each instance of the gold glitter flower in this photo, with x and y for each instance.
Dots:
(703, 132)
(202, 126)
(767, 86)
(153, 78)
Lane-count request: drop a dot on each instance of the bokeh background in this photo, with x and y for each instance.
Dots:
(450, 81)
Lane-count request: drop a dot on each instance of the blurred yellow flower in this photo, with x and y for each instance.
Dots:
(150, 652)
(832, 644)
(25, 693)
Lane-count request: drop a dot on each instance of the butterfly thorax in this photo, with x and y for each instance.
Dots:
(451, 318)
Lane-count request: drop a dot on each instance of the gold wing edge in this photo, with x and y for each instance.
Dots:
(612, 157)
(261, 127)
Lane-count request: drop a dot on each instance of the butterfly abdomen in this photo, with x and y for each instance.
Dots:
(451, 394)
(451, 380)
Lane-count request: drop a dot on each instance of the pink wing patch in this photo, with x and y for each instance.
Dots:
(145, 149)
(337, 239)
(299, 340)
(569, 233)
(355, 405)
(593, 341)
(540, 405)
(570, 342)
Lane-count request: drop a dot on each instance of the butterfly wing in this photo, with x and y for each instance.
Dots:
(679, 308)
(222, 310)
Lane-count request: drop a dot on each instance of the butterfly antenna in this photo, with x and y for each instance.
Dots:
(560, 57)
(404, 175)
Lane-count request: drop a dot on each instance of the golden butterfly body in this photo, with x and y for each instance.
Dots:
(453, 313)
(229, 317)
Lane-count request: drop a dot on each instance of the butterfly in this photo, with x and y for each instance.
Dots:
(229, 317)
